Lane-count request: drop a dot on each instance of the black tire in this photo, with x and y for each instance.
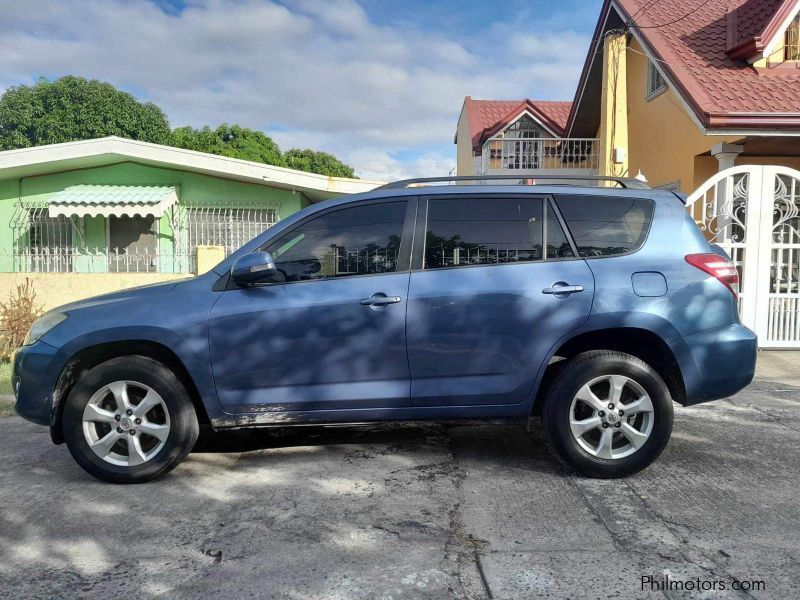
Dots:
(563, 388)
(183, 432)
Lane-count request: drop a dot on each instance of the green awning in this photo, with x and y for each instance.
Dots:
(112, 200)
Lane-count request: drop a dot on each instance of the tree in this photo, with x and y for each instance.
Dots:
(73, 108)
(230, 140)
(317, 162)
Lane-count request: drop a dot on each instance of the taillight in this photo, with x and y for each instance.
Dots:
(718, 267)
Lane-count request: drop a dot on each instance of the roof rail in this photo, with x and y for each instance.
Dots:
(624, 182)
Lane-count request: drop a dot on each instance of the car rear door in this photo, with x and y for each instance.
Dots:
(332, 336)
(495, 283)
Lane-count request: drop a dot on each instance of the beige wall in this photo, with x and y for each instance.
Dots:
(55, 289)
(464, 158)
(613, 131)
(706, 166)
(663, 139)
(665, 143)
(208, 257)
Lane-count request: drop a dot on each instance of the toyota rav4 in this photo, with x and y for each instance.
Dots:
(589, 306)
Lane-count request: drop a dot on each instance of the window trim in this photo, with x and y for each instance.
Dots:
(421, 229)
(652, 73)
(404, 253)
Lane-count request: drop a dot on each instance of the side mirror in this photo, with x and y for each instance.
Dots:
(256, 267)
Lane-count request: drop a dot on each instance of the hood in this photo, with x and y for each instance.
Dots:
(141, 291)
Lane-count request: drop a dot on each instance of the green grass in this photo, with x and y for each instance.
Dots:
(6, 406)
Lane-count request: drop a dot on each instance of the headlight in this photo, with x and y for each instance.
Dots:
(42, 326)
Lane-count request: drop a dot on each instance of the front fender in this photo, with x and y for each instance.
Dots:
(190, 347)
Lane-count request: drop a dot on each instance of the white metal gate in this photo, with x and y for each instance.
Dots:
(753, 212)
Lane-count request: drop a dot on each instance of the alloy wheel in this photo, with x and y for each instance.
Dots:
(126, 423)
(611, 416)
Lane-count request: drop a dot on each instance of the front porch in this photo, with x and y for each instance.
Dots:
(133, 227)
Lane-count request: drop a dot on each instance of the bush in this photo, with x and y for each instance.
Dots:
(17, 314)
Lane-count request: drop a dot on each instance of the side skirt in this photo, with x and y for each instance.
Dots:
(377, 415)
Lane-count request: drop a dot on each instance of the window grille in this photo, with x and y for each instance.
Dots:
(524, 127)
(56, 244)
(227, 227)
(655, 82)
(42, 242)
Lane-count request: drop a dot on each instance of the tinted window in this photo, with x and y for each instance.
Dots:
(606, 225)
(483, 231)
(360, 240)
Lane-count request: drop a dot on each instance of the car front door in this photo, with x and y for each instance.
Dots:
(495, 286)
(331, 334)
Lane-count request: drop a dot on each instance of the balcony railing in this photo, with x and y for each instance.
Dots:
(540, 154)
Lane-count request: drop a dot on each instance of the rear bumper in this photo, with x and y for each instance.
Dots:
(716, 363)
(36, 370)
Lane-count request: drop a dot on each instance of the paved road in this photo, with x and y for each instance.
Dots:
(417, 511)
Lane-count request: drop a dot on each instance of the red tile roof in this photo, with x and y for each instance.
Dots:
(487, 117)
(700, 47)
(691, 37)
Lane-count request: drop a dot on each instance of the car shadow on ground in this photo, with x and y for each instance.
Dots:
(397, 434)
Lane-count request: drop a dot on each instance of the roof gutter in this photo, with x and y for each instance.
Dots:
(753, 120)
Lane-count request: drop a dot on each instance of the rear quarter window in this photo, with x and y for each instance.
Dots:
(606, 225)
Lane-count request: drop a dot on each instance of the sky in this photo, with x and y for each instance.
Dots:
(378, 83)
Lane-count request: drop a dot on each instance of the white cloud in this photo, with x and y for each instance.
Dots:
(310, 73)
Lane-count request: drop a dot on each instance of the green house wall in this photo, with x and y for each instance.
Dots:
(194, 189)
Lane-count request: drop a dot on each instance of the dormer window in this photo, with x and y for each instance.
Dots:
(791, 50)
(524, 127)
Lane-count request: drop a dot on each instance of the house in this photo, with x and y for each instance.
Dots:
(99, 215)
(670, 91)
(696, 96)
(526, 137)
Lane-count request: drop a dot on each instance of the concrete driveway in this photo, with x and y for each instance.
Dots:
(419, 511)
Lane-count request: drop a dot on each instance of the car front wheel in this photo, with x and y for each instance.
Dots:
(129, 420)
(607, 414)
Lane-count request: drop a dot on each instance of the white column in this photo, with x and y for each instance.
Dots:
(726, 154)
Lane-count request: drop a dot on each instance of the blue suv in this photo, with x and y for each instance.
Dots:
(591, 307)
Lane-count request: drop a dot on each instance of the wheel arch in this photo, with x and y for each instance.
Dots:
(91, 356)
(641, 343)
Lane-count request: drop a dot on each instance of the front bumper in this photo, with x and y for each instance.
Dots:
(716, 363)
(36, 371)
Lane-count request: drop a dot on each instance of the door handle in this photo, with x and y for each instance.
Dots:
(380, 300)
(562, 289)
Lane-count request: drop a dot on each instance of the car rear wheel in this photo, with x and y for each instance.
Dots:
(129, 420)
(607, 414)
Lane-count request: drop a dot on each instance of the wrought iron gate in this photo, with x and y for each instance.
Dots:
(753, 212)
